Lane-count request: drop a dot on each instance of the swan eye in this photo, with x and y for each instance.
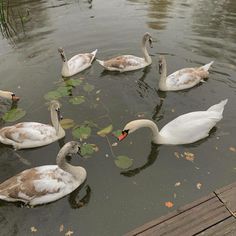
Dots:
(160, 67)
(125, 131)
(13, 95)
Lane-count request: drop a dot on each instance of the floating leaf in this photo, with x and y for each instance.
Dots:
(189, 156)
(88, 87)
(169, 204)
(52, 95)
(61, 228)
(67, 123)
(232, 149)
(69, 233)
(199, 185)
(105, 131)
(13, 115)
(177, 154)
(73, 82)
(82, 132)
(33, 229)
(88, 149)
(123, 162)
(177, 184)
(77, 100)
(64, 91)
(117, 133)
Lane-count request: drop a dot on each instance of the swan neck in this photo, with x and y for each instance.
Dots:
(5, 94)
(162, 81)
(147, 58)
(56, 124)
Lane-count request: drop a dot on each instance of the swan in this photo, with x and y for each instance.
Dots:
(129, 62)
(9, 95)
(44, 184)
(77, 63)
(33, 134)
(181, 79)
(187, 128)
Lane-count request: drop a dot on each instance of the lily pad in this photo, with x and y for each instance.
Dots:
(52, 95)
(88, 87)
(13, 115)
(64, 91)
(88, 149)
(117, 133)
(67, 123)
(77, 100)
(105, 131)
(73, 82)
(81, 132)
(123, 162)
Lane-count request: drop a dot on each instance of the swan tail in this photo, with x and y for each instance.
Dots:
(94, 53)
(207, 66)
(100, 62)
(219, 107)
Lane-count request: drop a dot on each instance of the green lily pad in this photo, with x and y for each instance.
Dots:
(67, 123)
(52, 95)
(64, 91)
(117, 133)
(81, 132)
(77, 100)
(105, 131)
(88, 87)
(73, 82)
(13, 115)
(88, 149)
(123, 162)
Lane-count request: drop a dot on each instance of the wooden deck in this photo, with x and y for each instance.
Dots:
(211, 215)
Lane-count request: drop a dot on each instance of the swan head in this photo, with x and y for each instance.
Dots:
(9, 95)
(62, 53)
(148, 37)
(55, 105)
(72, 147)
(161, 63)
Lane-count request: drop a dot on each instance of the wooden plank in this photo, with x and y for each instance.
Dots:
(226, 227)
(170, 215)
(227, 196)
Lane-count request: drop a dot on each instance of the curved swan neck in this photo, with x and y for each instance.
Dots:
(149, 124)
(5, 94)
(56, 124)
(147, 58)
(162, 81)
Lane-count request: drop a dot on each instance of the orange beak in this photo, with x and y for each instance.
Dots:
(123, 136)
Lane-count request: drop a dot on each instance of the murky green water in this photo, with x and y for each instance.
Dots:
(190, 33)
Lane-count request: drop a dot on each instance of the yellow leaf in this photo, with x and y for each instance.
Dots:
(169, 204)
(105, 131)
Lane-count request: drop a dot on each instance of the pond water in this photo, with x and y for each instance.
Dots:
(190, 33)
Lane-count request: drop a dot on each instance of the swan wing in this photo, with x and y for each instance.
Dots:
(190, 127)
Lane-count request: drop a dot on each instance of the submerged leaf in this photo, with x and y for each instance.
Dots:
(67, 123)
(13, 115)
(88, 87)
(52, 95)
(123, 162)
(73, 82)
(105, 131)
(77, 100)
(88, 149)
(82, 132)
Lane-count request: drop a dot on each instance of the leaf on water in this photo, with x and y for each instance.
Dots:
(177, 154)
(199, 185)
(52, 95)
(90, 123)
(123, 162)
(88, 149)
(105, 131)
(33, 229)
(13, 115)
(73, 82)
(189, 156)
(61, 228)
(177, 184)
(77, 100)
(232, 149)
(81, 132)
(117, 133)
(169, 204)
(98, 91)
(69, 233)
(88, 87)
(64, 91)
(114, 144)
(67, 123)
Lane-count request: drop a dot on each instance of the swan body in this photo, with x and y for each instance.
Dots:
(77, 63)
(9, 95)
(33, 134)
(181, 79)
(187, 128)
(44, 184)
(129, 62)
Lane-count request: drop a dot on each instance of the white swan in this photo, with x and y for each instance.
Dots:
(129, 62)
(187, 128)
(44, 184)
(33, 134)
(9, 95)
(181, 79)
(77, 63)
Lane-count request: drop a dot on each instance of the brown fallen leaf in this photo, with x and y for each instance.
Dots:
(199, 185)
(169, 204)
(61, 228)
(232, 149)
(189, 156)
(69, 233)
(33, 229)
